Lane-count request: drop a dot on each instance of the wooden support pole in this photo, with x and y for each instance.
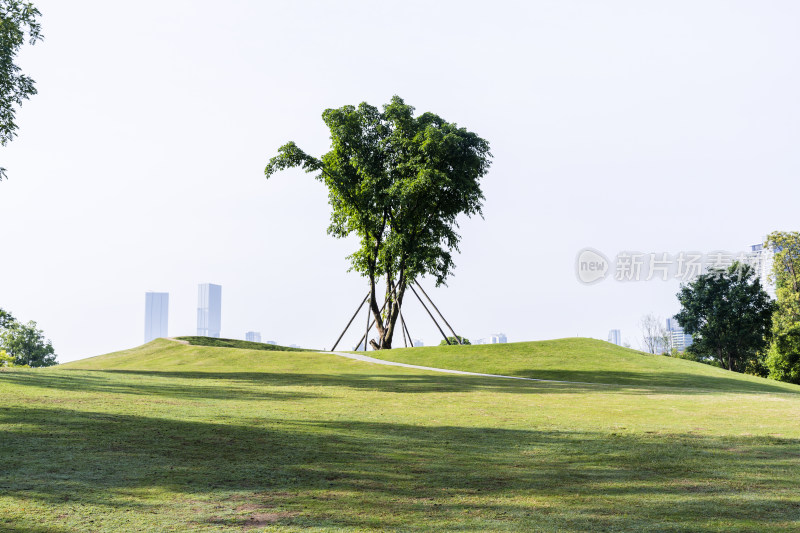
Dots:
(458, 339)
(403, 328)
(366, 334)
(369, 326)
(335, 344)
(429, 313)
(408, 333)
(403, 331)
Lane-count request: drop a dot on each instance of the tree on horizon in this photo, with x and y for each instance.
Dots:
(397, 182)
(728, 313)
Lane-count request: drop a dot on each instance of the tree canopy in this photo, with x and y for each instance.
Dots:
(19, 23)
(399, 183)
(728, 314)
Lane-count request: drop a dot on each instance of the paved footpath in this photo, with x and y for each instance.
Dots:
(368, 359)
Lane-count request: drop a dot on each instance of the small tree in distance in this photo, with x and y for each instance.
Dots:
(398, 183)
(27, 345)
(453, 341)
(655, 338)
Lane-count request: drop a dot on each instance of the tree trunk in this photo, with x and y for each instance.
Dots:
(373, 305)
(386, 321)
(396, 293)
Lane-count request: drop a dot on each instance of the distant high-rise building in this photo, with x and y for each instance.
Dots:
(762, 260)
(499, 338)
(614, 337)
(418, 343)
(253, 336)
(209, 309)
(271, 342)
(678, 339)
(156, 312)
(479, 341)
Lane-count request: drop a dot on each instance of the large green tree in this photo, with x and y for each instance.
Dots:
(27, 345)
(783, 359)
(398, 182)
(19, 22)
(728, 314)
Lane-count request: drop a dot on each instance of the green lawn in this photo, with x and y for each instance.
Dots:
(579, 359)
(170, 437)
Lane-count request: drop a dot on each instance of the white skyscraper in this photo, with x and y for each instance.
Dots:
(499, 338)
(156, 312)
(678, 339)
(209, 309)
(762, 260)
(614, 337)
(253, 336)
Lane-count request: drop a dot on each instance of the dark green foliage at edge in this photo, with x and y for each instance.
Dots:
(235, 343)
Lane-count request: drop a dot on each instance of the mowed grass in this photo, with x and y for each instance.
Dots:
(585, 360)
(169, 437)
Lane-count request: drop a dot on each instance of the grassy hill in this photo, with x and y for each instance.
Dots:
(162, 354)
(581, 359)
(173, 437)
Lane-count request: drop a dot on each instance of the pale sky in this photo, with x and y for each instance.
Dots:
(650, 126)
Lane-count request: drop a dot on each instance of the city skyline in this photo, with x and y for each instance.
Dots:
(208, 317)
(157, 312)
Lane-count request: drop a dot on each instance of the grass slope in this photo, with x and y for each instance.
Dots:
(580, 359)
(170, 437)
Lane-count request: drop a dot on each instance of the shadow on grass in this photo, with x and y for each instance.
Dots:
(246, 385)
(373, 475)
(235, 388)
(267, 385)
(686, 382)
